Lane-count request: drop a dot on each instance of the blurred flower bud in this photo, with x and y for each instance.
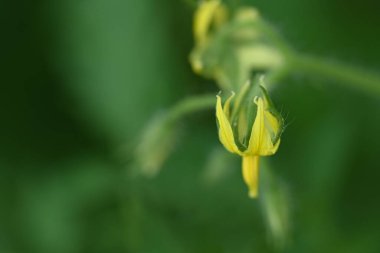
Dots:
(209, 15)
(218, 167)
(231, 49)
(246, 15)
(156, 144)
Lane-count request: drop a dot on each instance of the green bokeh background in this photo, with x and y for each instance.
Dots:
(82, 78)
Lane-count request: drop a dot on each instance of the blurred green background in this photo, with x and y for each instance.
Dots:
(82, 78)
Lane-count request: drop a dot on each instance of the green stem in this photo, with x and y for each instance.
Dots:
(347, 75)
(344, 74)
(191, 105)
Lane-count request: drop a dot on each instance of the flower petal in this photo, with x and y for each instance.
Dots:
(265, 127)
(251, 174)
(227, 105)
(226, 135)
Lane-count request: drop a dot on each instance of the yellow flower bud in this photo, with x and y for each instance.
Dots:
(263, 139)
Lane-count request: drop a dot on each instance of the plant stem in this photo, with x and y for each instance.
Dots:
(190, 105)
(347, 75)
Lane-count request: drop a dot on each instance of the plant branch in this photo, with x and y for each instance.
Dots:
(191, 105)
(344, 74)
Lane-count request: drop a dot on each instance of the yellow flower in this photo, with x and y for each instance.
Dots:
(208, 17)
(208, 13)
(250, 142)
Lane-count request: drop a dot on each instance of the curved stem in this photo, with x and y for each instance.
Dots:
(347, 75)
(190, 105)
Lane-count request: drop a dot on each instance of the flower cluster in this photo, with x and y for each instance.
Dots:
(229, 46)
